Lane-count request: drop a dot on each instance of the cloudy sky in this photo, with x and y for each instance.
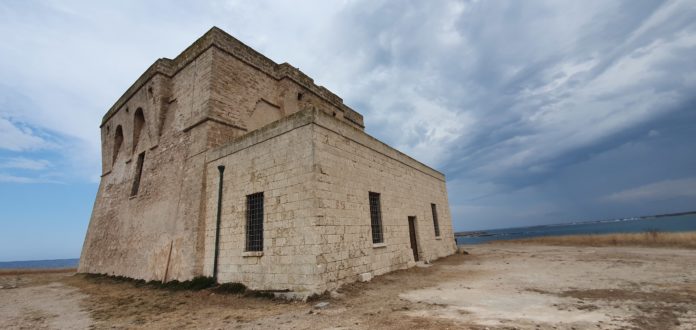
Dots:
(537, 111)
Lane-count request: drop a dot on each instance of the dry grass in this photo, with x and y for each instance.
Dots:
(116, 303)
(685, 240)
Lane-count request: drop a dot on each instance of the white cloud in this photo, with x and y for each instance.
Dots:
(8, 178)
(483, 90)
(84, 55)
(23, 163)
(19, 138)
(656, 191)
(429, 77)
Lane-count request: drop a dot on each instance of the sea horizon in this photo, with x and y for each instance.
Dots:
(580, 222)
(677, 222)
(40, 264)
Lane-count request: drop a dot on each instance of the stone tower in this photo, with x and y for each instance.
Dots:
(223, 163)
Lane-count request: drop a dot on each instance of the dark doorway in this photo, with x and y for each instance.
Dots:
(412, 232)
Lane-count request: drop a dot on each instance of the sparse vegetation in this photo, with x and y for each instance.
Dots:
(260, 294)
(230, 288)
(637, 291)
(199, 283)
(195, 284)
(650, 238)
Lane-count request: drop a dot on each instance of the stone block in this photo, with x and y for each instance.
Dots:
(365, 277)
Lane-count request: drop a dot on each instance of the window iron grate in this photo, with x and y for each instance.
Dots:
(376, 218)
(254, 222)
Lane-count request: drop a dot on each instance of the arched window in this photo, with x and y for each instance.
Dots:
(138, 124)
(118, 141)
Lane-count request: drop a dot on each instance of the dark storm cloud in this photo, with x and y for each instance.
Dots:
(509, 97)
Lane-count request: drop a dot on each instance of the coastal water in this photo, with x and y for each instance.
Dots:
(40, 264)
(662, 223)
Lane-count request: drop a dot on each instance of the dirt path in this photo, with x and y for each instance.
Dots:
(495, 287)
(546, 287)
(40, 301)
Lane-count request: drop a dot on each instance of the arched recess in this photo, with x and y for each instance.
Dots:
(118, 141)
(138, 125)
(264, 113)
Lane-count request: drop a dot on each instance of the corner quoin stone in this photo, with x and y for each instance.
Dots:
(220, 103)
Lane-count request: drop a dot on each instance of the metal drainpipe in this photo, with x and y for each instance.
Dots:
(221, 168)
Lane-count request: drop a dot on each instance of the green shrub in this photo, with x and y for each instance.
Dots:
(260, 294)
(197, 283)
(230, 288)
(200, 283)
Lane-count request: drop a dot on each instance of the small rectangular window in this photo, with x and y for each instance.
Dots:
(436, 224)
(376, 218)
(254, 222)
(138, 174)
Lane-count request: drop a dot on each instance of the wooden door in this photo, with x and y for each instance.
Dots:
(412, 232)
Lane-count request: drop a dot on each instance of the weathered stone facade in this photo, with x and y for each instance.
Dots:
(220, 103)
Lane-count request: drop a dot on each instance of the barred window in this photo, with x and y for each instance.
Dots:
(376, 218)
(436, 225)
(138, 174)
(254, 222)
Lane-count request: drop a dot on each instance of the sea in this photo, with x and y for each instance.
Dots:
(661, 223)
(40, 264)
(666, 223)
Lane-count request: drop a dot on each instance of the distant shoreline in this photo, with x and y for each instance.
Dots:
(39, 264)
(484, 232)
(684, 240)
(684, 222)
(25, 271)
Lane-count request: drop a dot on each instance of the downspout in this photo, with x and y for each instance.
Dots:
(221, 168)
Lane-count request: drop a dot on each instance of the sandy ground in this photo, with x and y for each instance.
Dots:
(41, 301)
(495, 287)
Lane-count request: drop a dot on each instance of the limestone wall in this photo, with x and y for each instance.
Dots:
(276, 160)
(248, 97)
(316, 172)
(351, 164)
(133, 235)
